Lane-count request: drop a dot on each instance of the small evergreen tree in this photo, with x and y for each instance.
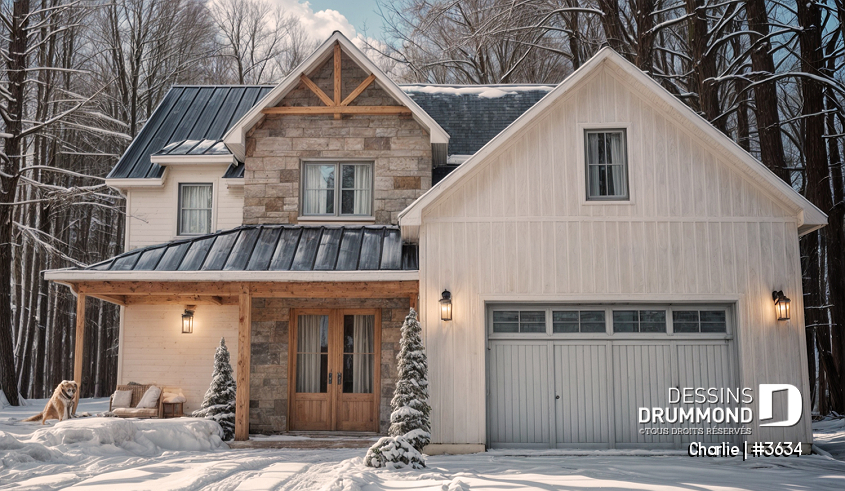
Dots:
(411, 412)
(219, 401)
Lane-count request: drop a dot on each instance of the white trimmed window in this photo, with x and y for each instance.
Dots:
(628, 321)
(195, 205)
(607, 164)
(337, 189)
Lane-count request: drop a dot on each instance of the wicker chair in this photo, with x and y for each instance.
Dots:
(134, 412)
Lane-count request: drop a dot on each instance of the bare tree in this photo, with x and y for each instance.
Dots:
(259, 42)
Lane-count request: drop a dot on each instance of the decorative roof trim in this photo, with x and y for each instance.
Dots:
(168, 159)
(235, 138)
(71, 275)
(810, 217)
(233, 182)
(138, 182)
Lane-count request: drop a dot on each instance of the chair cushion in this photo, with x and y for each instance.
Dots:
(173, 397)
(121, 398)
(134, 412)
(150, 398)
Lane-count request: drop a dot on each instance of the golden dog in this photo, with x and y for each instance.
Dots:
(60, 405)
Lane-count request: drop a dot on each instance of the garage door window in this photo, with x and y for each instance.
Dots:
(631, 321)
(516, 321)
(639, 321)
(578, 321)
(699, 321)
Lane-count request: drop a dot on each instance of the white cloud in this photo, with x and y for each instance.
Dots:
(319, 25)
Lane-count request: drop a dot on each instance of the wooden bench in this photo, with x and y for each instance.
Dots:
(134, 412)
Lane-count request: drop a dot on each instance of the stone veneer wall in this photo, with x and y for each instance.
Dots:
(399, 147)
(268, 392)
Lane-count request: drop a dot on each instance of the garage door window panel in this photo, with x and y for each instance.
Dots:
(583, 321)
(699, 321)
(642, 321)
(519, 321)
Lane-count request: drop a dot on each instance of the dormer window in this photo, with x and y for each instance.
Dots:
(195, 204)
(607, 165)
(337, 189)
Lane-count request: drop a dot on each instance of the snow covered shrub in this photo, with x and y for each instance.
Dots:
(410, 416)
(219, 401)
(394, 452)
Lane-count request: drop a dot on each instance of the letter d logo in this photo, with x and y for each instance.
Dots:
(793, 406)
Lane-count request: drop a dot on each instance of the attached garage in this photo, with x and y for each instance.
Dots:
(606, 247)
(561, 376)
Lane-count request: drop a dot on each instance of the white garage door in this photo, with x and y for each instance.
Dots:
(575, 376)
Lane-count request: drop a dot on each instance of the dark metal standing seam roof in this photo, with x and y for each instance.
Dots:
(196, 114)
(472, 119)
(191, 120)
(275, 248)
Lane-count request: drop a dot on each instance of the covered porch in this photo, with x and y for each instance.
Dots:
(260, 309)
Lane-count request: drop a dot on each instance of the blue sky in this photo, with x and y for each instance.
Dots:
(321, 17)
(358, 12)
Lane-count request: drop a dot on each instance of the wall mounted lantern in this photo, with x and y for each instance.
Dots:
(446, 306)
(781, 305)
(188, 320)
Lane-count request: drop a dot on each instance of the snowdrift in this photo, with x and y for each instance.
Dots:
(76, 439)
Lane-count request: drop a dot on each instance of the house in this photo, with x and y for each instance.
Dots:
(573, 260)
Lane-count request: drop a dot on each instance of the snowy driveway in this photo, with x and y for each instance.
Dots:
(109, 454)
(342, 470)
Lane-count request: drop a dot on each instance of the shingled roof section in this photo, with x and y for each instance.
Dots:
(275, 248)
(474, 114)
(192, 116)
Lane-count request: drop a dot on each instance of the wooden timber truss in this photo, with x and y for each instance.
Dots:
(336, 105)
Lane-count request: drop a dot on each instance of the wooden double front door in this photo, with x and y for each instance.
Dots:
(335, 365)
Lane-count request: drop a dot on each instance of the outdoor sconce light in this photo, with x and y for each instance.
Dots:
(188, 320)
(781, 305)
(446, 306)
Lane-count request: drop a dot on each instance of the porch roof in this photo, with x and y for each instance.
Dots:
(257, 251)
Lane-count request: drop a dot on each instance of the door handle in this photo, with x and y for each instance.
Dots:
(557, 397)
(339, 378)
(330, 378)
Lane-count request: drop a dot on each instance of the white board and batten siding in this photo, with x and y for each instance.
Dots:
(154, 350)
(517, 228)
(152, 217)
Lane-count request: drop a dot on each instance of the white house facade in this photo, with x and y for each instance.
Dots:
(602, 251)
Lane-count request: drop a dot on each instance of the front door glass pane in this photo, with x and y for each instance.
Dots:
(358, 353)
(312, 353)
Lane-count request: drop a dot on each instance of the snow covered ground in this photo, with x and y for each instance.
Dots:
(112, 454)
(829, 436)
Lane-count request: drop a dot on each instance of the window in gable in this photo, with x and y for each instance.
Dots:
(337, 189)
(195, 205)
(607, 164)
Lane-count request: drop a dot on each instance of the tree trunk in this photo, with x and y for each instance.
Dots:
(765, 94)
(819, 189)
(613, 31)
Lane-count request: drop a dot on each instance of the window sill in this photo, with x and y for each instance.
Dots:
(335, 220)
(599, 202)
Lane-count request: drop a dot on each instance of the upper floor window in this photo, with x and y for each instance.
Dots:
(337, 189)
(607, 165)
(195, 203)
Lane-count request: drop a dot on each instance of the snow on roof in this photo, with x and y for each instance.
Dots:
(483, 91)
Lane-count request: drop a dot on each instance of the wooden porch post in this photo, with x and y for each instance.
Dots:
(244, 348)
(79, 347)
